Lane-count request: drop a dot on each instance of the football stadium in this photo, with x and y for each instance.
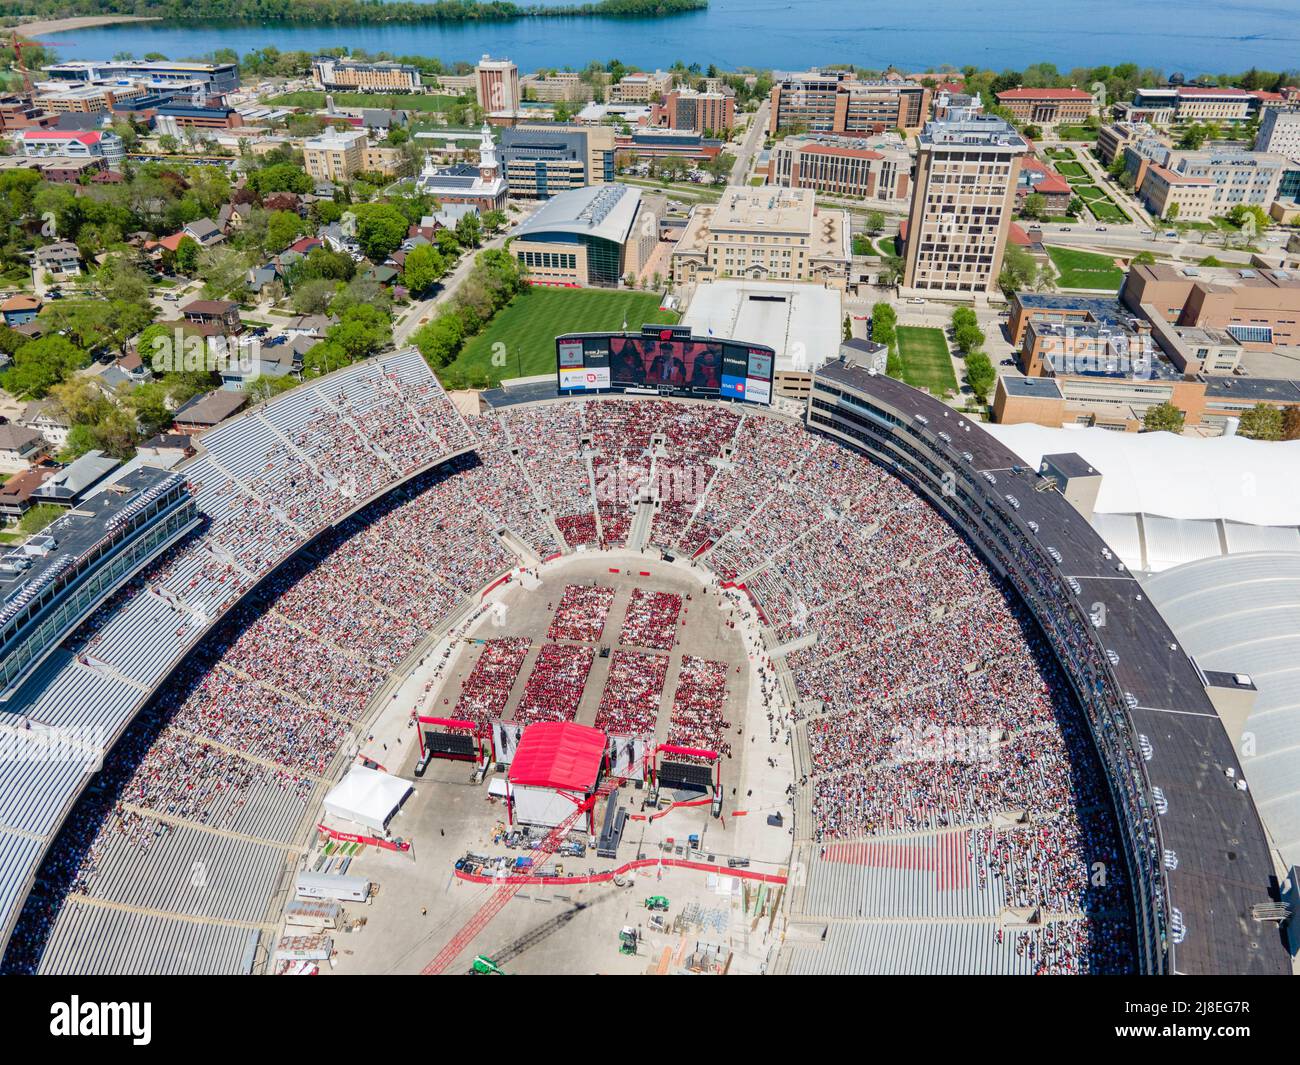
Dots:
(628, 672)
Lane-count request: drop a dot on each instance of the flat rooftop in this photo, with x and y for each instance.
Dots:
(802, 323)
(1253, 389)
(1030, 387)
(765, 209)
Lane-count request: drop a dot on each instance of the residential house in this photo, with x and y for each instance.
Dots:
(60, 260)
(71, 484)
(19, 310)
(203, 412)
(221, 315)
(20, 447)
(16, 493)
(47, 418)
(172, 446)
(232, 216)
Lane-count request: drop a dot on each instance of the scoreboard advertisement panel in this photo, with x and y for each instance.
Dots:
(667, 359)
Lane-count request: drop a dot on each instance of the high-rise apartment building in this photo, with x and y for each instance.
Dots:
(834, 101)
(498, 85)
(963, 198)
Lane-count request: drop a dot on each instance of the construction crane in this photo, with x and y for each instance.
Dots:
(18, 43)
(511, 885)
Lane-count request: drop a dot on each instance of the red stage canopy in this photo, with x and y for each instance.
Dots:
(558, 754)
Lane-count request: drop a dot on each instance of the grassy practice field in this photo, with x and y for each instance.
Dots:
(926, 363)
(529, 325)
(402, 102)
(1085, 269)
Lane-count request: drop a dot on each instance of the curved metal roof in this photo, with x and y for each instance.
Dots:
(1241, 614)
(1228, 477)
(605, 211)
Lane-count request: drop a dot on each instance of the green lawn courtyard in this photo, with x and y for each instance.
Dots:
(527, 328)
(926, 363)
(1085, 269)
(404, 102)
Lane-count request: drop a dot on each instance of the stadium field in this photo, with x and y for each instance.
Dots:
(1085, 269)
(926, 362)
(527, 328)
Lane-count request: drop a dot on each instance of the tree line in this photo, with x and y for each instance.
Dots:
(346, 11)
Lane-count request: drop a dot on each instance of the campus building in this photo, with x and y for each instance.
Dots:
(59, 98)
(1166, 193)
(74, 144)
(555, 88)
(1175, 335)
(200, 81)
(335, 155)
(1114, 137)
(497, 85)
(963, 199)
(342, 158)
(355, 75)
(1237, 177)
(540, 161)
(1196, 103)
(696, 111)
(871, 169)
(1038, 177)
(590, 236)
(1279, 131)
(1259, 307)
(834, 101)
(480, 184)
(667, 144)
(764, 234)
(1047, 107)
(640, 88)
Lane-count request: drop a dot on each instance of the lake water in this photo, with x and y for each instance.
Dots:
(1188, 36)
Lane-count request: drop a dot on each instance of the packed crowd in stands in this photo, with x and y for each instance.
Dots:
(581, 613)
(901, 631)
(699, 702)
(651, 620)
(629, 706)
(555, 685)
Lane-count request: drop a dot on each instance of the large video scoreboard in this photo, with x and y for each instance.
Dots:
(666, 359)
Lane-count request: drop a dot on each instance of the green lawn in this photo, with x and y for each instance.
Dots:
(527, 328)
(926, 363)
(1106, 211)
(1101, 206)
(1071, 170)
(1075, 133)
(1085, 269)
(885, 246)
(402, 102)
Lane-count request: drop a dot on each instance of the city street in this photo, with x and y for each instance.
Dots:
(753, 141)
